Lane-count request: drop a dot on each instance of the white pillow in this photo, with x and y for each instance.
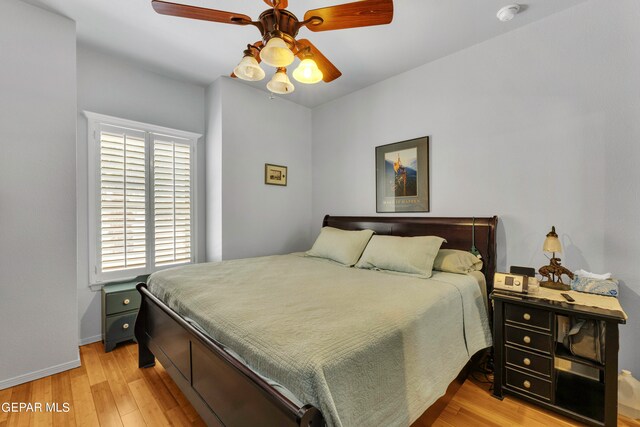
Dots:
(455, 261)
(410, 255)
(341, 246)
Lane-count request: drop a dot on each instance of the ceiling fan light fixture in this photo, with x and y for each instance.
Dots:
(308, 72)
(280, 83)
(279, 28)
(276, 53)
(249, 69)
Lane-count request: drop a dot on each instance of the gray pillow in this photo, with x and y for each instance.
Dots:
(341, 246)
(410, 255)
(456, 261)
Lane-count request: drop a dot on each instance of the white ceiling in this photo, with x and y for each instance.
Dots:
(200, 51)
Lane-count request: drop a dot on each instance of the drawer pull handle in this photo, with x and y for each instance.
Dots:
(125, 326)
(527, 361)
(126, 301)
(526, 384)
(527, 339)
(527, 316)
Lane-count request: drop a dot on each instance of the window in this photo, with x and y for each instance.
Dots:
(142, 180)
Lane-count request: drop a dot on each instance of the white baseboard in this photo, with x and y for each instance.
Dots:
(31, 376)
(89, 340)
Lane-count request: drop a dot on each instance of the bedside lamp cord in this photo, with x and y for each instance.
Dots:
(484, 368)
(474, 250)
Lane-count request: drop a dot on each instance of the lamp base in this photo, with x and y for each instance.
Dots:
(559, 286)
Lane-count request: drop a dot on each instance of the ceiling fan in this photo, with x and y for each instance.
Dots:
(279, 28)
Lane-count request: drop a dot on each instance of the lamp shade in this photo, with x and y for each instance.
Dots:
(308, 72)
(552, 243)
(276, 53)
(280, 83)
(249, 69)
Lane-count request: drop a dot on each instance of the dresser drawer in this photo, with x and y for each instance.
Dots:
(120, 327)
(528, 360)
(529, 384)
(528, 338)
(528, 316)
(119, 302)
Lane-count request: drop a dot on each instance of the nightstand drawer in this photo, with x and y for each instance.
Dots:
(528, 316)
(529, 384)
(528, 338)
(527, 360)
(119, 302)
(120, 327)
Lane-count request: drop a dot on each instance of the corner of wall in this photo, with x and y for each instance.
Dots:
(213, 170)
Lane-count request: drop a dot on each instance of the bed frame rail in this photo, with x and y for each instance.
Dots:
(222, 389)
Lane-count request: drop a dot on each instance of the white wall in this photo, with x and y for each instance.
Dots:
(621, 134)
(113, 86)
(539, 126)
(246, 130)
(38, 311)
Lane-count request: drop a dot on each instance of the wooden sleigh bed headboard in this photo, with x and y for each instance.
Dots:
(460, 233)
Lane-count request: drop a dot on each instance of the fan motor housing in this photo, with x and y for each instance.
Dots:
(285, 27)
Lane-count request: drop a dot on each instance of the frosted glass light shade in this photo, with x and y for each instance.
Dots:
(308, 72)
(249, 69)
(276, 53)
(552, 243)
(280, 83)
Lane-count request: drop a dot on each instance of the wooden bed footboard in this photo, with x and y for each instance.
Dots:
(222, 389)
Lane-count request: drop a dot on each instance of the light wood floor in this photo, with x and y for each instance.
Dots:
(473, 405)
(109, 390)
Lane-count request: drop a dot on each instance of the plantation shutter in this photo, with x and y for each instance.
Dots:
(172, 200)
(122, 199)
(141, 198)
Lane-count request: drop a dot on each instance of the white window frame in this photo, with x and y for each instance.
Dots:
(95, 121)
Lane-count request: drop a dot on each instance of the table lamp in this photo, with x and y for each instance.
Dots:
(554, 271)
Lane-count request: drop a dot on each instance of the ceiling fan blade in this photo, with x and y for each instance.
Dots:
(194, 12)
(282, 5)
(329, 71)
(351, 15)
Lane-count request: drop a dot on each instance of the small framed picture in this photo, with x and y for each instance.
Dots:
(402, 176)
(275, 174)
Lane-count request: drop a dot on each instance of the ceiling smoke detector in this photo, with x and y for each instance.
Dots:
(507, 13)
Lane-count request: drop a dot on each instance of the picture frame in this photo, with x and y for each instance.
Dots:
(402, 176)
(275, 175)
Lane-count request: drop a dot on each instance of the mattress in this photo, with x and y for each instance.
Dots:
(365, 347)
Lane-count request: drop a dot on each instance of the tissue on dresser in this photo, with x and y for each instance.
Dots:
(589, 275)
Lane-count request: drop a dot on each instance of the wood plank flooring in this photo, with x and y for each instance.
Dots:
(473, 405)
(109, 390)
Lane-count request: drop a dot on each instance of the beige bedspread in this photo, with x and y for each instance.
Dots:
(367, 348)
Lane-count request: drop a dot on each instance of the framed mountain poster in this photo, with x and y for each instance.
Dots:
(402, 176)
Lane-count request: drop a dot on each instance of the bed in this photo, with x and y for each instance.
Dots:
(234, 350)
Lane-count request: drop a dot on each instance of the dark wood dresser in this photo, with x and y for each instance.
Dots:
(531, 364)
